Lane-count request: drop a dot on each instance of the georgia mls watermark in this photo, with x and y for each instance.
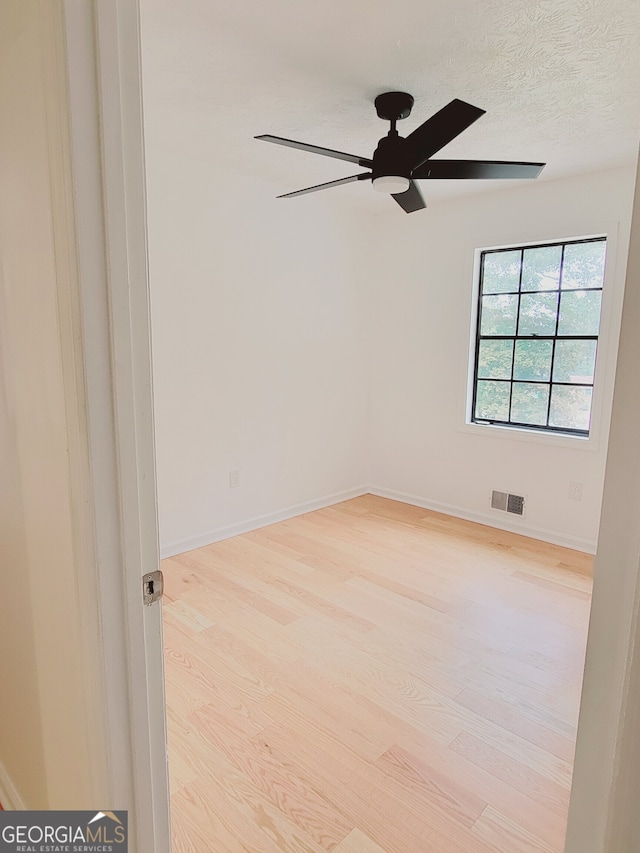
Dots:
(63, 832)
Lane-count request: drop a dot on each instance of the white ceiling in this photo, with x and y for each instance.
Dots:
(559, 79)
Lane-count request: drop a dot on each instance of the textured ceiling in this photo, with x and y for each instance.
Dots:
(559, 79)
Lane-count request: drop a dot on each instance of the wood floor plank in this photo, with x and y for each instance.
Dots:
(244, 652)
(258, 554)
(539, 672)
(397, 818)
(183, 769)
(321, 605)
(216, 825)
(562, 722)
(409, 698)
(410, 772)
(515, 773)
(373, 677)
(191, 617)
(513, 720)
(178, 580)
(324, 556)
(458, 631)
(555, 696)
(221, 582)
(479, 781)
(303, 704)
(210, 674)
(495, 828)
(571, 582)
(358, 842)
(233, 797)
(295, 798)
(243, 620)
(403, 692)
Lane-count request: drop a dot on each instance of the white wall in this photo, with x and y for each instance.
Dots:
(421, 449)
(50, 724)
(258, 338)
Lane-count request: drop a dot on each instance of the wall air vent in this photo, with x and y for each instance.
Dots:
(499, 500)
(507, 502)
(515, 504)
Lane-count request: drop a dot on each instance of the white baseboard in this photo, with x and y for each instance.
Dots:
(170, 549)
(488, 518)
(9, 796)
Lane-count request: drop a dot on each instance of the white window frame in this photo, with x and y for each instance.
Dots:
(605, 361)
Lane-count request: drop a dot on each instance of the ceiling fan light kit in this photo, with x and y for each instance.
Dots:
(391, 184)
(398, 162)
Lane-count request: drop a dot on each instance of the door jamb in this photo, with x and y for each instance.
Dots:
(105, 95)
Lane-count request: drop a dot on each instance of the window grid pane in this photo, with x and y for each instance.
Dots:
(532, 360)
(541, 268)
(538, 323)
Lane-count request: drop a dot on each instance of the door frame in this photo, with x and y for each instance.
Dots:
(603, 808)
(103, 58)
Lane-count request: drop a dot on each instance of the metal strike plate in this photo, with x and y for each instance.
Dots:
(152, 587)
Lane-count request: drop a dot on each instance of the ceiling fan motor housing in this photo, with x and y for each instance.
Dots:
(391, 157)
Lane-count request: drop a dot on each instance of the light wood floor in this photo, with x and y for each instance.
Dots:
(373, 678)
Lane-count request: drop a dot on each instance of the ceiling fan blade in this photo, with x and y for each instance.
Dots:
(476, 169)
(411, 200)
(316, 149)
(363, 176)
(441, 128)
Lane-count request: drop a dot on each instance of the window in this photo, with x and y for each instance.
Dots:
(537, 335)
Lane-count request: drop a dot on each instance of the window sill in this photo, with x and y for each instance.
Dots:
(532, 436)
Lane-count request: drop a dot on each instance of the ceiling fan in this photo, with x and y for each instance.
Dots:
(398, 162)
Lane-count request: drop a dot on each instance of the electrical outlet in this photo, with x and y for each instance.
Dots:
(575, 491)
(234, 479)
